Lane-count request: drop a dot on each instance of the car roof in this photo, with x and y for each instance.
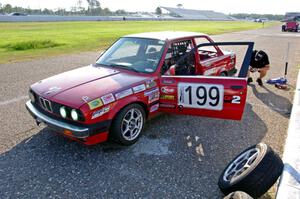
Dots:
(166, 35)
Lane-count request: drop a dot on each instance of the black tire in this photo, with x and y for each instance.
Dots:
(117, 124)
(258, 178)
(223, 74)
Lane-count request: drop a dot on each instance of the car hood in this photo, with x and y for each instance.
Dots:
(89, 82)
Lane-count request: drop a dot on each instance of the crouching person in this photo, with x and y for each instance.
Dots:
(259, 63)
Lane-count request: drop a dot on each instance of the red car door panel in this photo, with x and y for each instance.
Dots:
(217, 97)
(210, 96)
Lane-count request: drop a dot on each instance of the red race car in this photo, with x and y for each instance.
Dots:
(137, 77)
(291, 26)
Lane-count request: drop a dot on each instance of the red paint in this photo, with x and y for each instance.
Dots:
(95, 139)
(292, 26)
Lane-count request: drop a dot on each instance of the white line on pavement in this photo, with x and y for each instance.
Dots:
(13, 100)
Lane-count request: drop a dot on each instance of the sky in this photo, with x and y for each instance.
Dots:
(225, 6)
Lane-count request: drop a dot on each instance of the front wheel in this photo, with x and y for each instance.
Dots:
(128, 124)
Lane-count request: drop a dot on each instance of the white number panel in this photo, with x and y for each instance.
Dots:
(203, 96)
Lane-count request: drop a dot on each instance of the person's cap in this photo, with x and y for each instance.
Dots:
(259, 55)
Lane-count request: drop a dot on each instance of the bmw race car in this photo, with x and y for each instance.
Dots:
(137, 77)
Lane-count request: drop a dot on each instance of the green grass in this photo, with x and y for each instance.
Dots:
(23, 41)
(27, 45)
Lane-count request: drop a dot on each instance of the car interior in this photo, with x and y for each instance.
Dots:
(206, 52)
(174, 54)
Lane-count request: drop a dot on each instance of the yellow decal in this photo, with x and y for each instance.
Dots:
(95, 103)
(167, 97)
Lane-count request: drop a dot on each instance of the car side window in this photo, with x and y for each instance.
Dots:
(174, 55)
(205, 52)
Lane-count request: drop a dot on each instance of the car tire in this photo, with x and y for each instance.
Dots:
(238, 195)
(223, 74)
(128, 124)
(253, 171)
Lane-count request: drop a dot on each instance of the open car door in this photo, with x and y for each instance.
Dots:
(209, 96)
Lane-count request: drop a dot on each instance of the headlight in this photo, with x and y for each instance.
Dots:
(74, 114)
(31, 96)
(63, 111)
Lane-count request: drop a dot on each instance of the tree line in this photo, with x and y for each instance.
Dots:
(258, 16)
(94, 9)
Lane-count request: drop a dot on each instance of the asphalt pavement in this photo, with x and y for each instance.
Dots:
(176, 157)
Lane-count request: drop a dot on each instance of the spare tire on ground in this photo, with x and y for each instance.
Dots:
(253, 171)
(238, 195)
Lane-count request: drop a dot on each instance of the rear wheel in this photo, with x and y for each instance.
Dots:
(223, 74)
(128, 124)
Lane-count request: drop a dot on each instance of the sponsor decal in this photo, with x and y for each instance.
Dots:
(95, 104)
(106, 99)
(153, 98)
(53, 89)
(153, 95)
(100, 112)
(139, 88)
(154, 108)
(85, 99)
(168, 81)
(168, 90)
(150, 83)
(150, 92)
(123, 94)
(167, 97)
(162, 105)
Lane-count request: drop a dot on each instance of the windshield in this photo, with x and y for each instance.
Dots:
(137, 54)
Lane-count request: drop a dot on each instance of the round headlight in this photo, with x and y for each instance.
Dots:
(74, 114)
(63, 111)
(31, 96)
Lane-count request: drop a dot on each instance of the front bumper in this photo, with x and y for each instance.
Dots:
(79, 131)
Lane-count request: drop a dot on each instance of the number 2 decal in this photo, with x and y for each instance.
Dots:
(236, 100)
(206, 96)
